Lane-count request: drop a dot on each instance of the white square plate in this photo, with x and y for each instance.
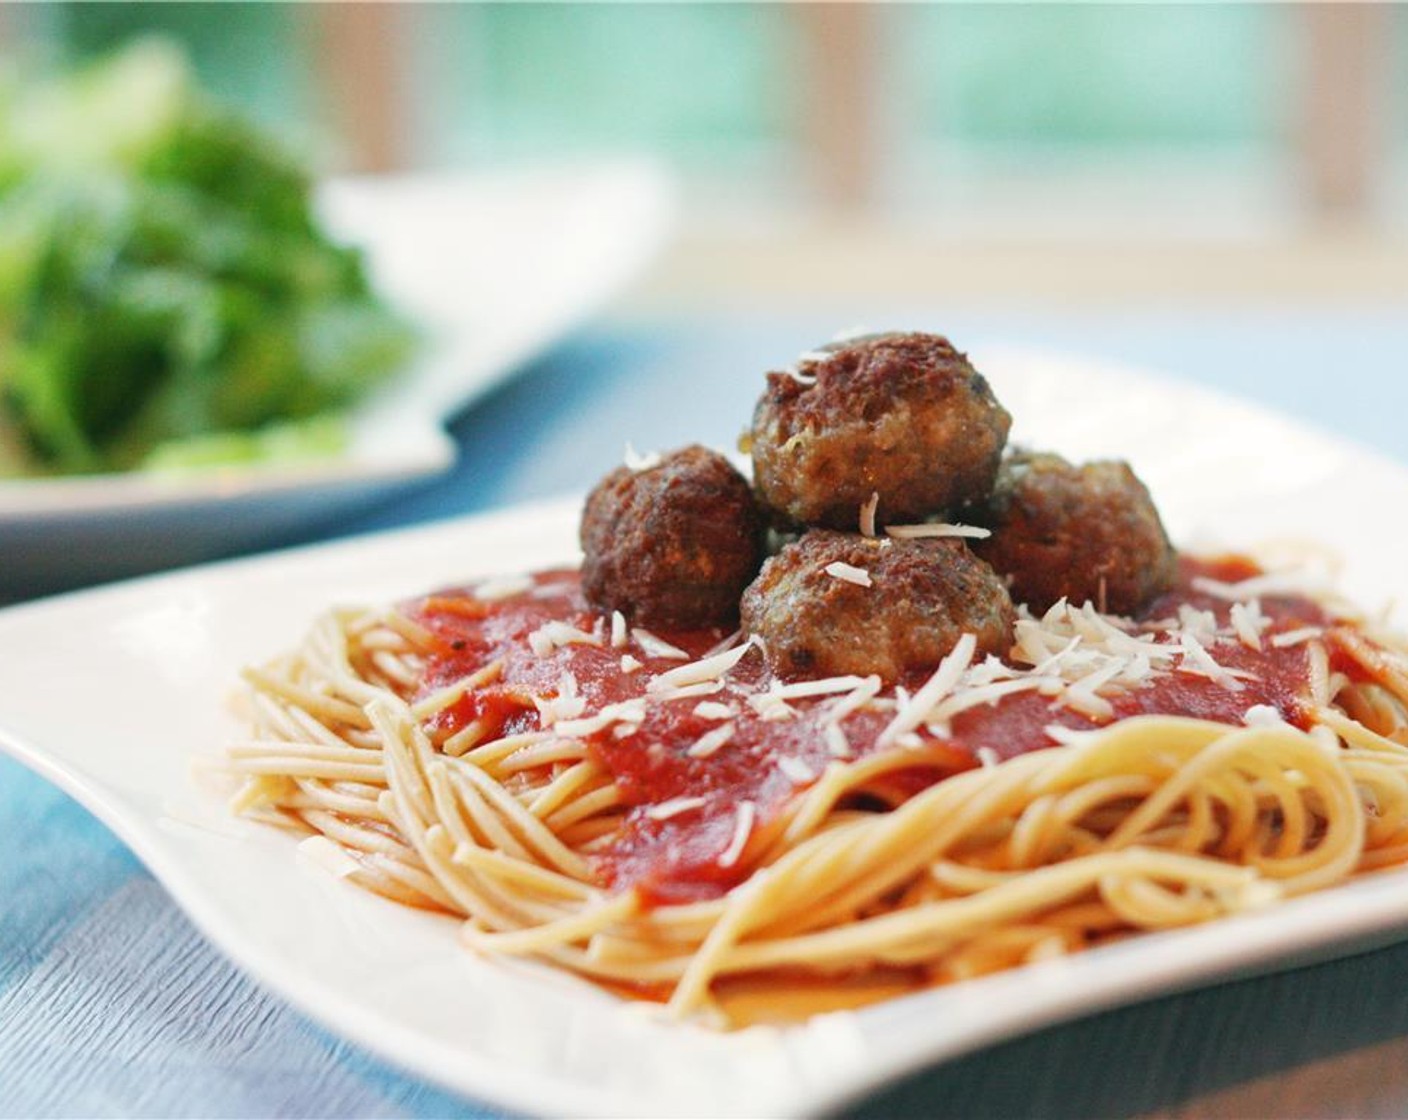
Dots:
(156, 659)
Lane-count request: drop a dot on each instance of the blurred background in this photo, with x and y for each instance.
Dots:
(1043, 152)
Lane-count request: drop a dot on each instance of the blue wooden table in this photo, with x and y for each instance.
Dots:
(112, 1005)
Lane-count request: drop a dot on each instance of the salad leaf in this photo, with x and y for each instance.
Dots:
(162, 279)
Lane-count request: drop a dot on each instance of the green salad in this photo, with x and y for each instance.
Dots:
(167, 299)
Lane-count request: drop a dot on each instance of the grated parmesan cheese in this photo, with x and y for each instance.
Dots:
(710, 744)
(638, 462)
(712, 709)
(550, 636)
(1248, 623)
(865, 691)
(620, 633)
(914, 712)
(977, 695)
(1197, 660)
(742, 829)
(821, 687)
(629, 664)
(673, 808)
(687, 692)
(938, 529)
(867, 514)
(725, 645)
(1201, 624)
(652, 646)
(1295, 637)
(848, 573)
(837, 745)
(1082, 695)
(696, 672)
(771, 708)
(566, 705)
(795, 770)
(1262, 715)
(627, 711)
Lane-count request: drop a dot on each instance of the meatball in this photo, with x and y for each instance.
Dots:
(1087, 533)
(673, 544)
(904, 416)
(923, 595)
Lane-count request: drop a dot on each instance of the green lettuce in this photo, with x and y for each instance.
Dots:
(162, 279)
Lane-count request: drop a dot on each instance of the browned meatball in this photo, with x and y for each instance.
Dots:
(900, 415)
(923, 596)
(673, 544)
(1087, 533)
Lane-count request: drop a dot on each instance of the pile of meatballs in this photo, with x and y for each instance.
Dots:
(882, 430)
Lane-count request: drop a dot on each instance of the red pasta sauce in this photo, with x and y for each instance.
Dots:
(683, 857)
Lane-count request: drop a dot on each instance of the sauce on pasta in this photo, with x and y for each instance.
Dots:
(699, 752)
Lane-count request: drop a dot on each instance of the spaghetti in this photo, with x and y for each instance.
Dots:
(660, 814)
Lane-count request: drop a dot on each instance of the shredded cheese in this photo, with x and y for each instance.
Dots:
(1262, 715)
(849, 573)
(686, 692)
(742, 829)
(937, 529)
(837, 745)
(1248, 622)
(652, 646)
(865, 691)
(867, 514)
(638, 462)
(725, 645)
(1295, 637)
(939, 685)
(1197, 660)
(566, 705)
(627, 711)
(795, 770)
(771, 708)
(820, 687)
(696, 672)
(552, 635)
(710, 743)
(674, 807)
